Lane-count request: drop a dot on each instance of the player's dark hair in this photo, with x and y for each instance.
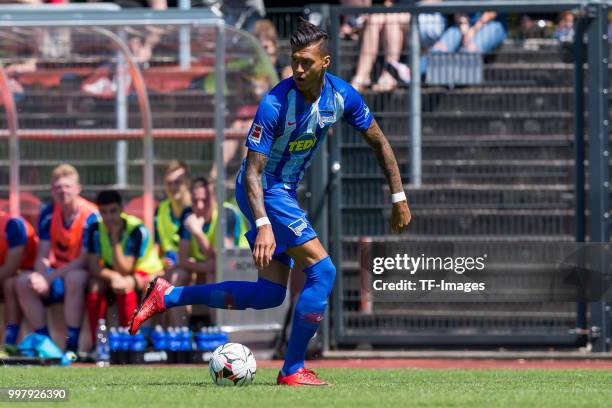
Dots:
(307, 34)
(203, 181)
(107, 197)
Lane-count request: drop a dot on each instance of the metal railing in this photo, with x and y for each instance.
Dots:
(476, 146)
(94, 99)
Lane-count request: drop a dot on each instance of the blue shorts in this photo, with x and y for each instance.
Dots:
(290, 223)
(56, 290)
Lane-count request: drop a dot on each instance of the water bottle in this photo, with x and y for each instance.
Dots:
(102, 346)
(125, 339)
(184, 348)
(172, 345)
(114, 339)
(185, 339)
(114, 342)
(218, 337)
(159, 338)
(173, 339)
(138, 343)
(137, 348)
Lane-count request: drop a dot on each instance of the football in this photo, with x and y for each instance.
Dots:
(232, 364)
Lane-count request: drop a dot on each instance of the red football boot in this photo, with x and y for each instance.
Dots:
(152, 304)
(301, 377)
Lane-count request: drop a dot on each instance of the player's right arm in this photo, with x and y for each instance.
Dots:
(17, 239)
(359, 116)
(43, 253)
(259, 142)
(189, 264)
(264, 243)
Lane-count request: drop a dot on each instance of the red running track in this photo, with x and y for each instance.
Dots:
(444, 364)
(436, 364)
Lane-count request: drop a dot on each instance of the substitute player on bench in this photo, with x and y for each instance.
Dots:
(60, 272)
(122, 259)
(18, 244)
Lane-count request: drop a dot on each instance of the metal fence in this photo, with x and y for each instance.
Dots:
(488, 156)
(487, 140)
(120, 93)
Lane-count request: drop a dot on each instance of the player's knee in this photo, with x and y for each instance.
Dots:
(268, 294)
(8, 283)
(320, 279)
(22, 284)
(329, 277)
(8, 287)
(322, 275)
(76, 280)
(96, 285)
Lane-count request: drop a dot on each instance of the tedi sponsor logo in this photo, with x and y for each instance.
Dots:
(302, 145)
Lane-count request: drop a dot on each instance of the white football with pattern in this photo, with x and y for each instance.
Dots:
(232, 364)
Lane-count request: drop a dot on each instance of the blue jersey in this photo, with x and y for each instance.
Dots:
(289, 131)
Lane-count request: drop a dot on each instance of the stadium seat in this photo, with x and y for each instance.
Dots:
(30, 207)
(135, 207)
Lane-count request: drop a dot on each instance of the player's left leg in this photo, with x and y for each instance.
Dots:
(75, 282)
(34, 293)
(266, 292)
(127, 300)
(309, 310)
(178, 316)
(97, 304)
(12, 314)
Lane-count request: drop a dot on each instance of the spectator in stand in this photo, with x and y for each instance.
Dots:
(168, 212)
(197, 232)
(242, 14)
(478, 33)
(564, 31)
(18, 244)
(168, 218)
(268, 37)
(122, 260)
(59, 272)
(142, 43)
(394, 25)
(352, 25)
(42, 43)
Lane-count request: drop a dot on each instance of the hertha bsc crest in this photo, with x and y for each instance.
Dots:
(298, 226)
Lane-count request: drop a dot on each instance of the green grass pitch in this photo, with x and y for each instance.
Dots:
(192, 387)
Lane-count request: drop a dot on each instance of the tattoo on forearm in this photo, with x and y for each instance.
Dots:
(385, 156)
(256, 162)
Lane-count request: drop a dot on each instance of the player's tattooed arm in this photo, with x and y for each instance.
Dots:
(400, 215)
(264, 242)
(385, 156)
(256, 162)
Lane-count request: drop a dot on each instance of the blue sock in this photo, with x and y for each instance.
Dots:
(261, 294)
(72, 343)
(12, 332)
(43, 330)
(309, 311)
